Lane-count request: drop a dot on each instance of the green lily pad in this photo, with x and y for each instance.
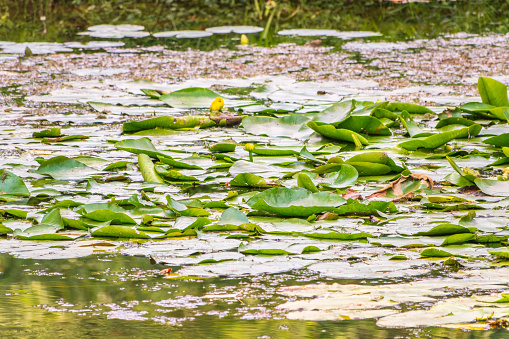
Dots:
(492, 92)
(287, 126)
(63, 168)
(339, 134)
(440, 139)
(294, 202)
(194, 97)
(119, 232)
(493, 187)
(10, 183)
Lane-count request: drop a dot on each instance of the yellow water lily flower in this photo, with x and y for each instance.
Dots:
(244, 40)
(217, 104)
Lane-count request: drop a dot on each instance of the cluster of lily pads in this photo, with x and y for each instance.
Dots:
(135, 31)
(352, 190)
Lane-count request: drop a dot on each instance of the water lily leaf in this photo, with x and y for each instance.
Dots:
(287, 126)
(222, 228)
(249, 180)
(305, 154)
(372, 208)
(461, 178)
(310, 249)
(120, 232)
(373, 163)
(187, 34)
(304, 181)
(65, 138)
(454, 121)
(274, 152)
(339, 134)
(147, 169)
(10, 183)
(53, 218)
(327, 168)
(185, 223)
(111, 216)
(63, 168)
(175, 163)
(381, 113)
(501, 140)
(338, 236)
(440, 139)
(168, 122)
(435, 253)
(492, 92)
(501, 113)
(410, 108)
(294, 202)
(222, 147)
(184, 210)
(369, 168)
(193, 97)
(243, 166)
(476, 107)
(346, 176)
(413, 130)
(11, 212)
(48, 236)
(365, 125)
(139, 146)
(5, 230)
(444, 229)
(458, 239)
(500, 254)
(268, 251)
(493, 187)
(152, 93)
(116, 165)
(48, 133)
(336, 113)
(234, 29)
(50, 224)
(173, 175)
(232, 216)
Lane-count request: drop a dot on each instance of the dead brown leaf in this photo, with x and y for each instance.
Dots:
(352, 194)
(166, 271)
(328, 216)
(397, 185)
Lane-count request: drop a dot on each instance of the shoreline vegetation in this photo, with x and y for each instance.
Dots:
(61, 20)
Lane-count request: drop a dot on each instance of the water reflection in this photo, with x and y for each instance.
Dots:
(122, 296)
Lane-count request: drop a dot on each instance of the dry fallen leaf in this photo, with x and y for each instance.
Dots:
(352, 194)
(166, 271)
(328, 216)
(396, 186)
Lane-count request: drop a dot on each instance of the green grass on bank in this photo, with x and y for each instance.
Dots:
(20, 20)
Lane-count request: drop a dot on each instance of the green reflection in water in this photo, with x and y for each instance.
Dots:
(121, 296)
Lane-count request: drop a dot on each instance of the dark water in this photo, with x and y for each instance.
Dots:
(119, 296)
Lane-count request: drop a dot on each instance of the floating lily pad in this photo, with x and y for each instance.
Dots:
(63, 168)
(234, 29)
(183, 34)
(10, 183)
(295, 202)
(194, 97)
(287, 126)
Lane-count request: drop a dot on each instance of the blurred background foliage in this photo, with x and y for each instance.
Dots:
(60, 20)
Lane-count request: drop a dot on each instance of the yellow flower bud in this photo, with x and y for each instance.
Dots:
(244, 40)
(249, 147)
(217, 104)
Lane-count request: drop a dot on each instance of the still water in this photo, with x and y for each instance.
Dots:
(120, 296)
